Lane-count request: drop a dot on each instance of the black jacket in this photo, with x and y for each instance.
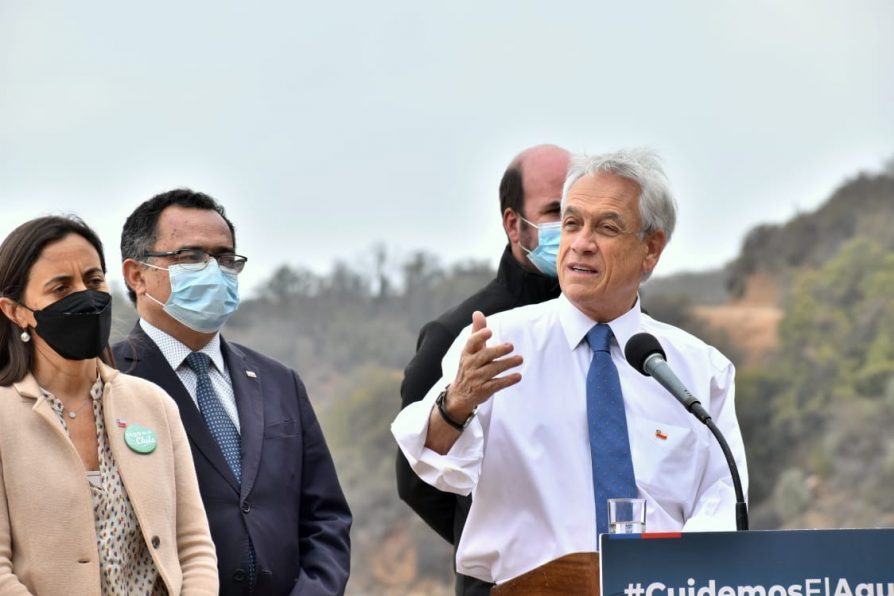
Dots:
(514, 286)
(289, 502)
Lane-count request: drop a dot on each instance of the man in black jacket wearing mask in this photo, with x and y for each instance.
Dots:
(530, 195)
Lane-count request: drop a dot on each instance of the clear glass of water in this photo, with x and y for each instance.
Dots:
(626, 516)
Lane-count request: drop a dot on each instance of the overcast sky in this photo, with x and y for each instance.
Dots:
(327, 127)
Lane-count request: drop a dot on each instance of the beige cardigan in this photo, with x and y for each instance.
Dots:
(47, 533)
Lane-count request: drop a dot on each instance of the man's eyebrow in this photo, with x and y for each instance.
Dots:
(599, 217)
(213, 250)
(551, 206)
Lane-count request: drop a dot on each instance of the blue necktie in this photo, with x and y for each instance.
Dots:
(609, 443)
(223, 430)
(219, 423)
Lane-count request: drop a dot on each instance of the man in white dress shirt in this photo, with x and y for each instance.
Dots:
(511, 426)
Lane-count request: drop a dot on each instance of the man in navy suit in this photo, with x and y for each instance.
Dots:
(278, 516)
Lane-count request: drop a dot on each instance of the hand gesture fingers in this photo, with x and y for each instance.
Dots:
(480, 333)
(477, 378)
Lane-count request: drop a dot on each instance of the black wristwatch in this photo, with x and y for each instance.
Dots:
(439, 402)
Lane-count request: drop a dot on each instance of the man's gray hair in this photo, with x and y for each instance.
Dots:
(657, 207)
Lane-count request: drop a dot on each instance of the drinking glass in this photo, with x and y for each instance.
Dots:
(626, 516)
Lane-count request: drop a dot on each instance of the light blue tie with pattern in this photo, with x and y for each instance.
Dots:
(219, 423)
(609, 442)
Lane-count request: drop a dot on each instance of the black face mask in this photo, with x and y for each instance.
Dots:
(78, 326)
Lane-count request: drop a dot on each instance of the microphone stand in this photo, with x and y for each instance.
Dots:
(694, 407)
(741, 507)
(645, 355)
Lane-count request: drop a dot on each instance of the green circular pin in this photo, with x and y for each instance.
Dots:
(139, 439)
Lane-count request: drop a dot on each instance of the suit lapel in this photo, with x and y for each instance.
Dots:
(139, 472)
(247, 388)
(145, 360)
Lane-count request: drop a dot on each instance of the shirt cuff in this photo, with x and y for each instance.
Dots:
(456, 471)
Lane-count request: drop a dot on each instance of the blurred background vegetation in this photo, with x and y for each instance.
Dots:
(805, 311)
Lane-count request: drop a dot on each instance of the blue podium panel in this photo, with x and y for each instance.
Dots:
(755, 563)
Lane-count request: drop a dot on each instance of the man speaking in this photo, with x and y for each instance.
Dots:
(540, 418)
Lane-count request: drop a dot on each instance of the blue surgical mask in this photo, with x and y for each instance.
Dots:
(544, 255)
(202, 300)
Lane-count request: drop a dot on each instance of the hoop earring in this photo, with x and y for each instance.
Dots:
(26, 337)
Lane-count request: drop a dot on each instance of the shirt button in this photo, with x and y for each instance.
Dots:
(246, 507)
(239, 575)
(156, 541)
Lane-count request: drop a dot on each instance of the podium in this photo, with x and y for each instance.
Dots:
(754, 563)
(577, 574)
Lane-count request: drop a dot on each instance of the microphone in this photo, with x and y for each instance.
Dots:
(645, 354)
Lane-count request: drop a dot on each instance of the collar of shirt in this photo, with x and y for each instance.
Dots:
(175, 351)
(575, 324)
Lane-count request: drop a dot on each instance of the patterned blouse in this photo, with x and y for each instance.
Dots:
(125, 564)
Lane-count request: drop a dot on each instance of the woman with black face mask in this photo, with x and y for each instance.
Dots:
(98, 494)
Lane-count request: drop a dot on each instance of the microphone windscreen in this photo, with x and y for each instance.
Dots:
(639, 348)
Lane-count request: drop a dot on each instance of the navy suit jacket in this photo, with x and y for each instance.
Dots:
(289, 503)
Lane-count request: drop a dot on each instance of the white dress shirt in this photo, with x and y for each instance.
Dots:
(175, 352)
(525, 456)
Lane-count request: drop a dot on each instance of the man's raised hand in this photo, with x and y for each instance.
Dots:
(479, 368)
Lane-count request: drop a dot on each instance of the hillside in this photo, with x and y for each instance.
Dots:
(743, 303)
(861, 207)
(809, 321)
